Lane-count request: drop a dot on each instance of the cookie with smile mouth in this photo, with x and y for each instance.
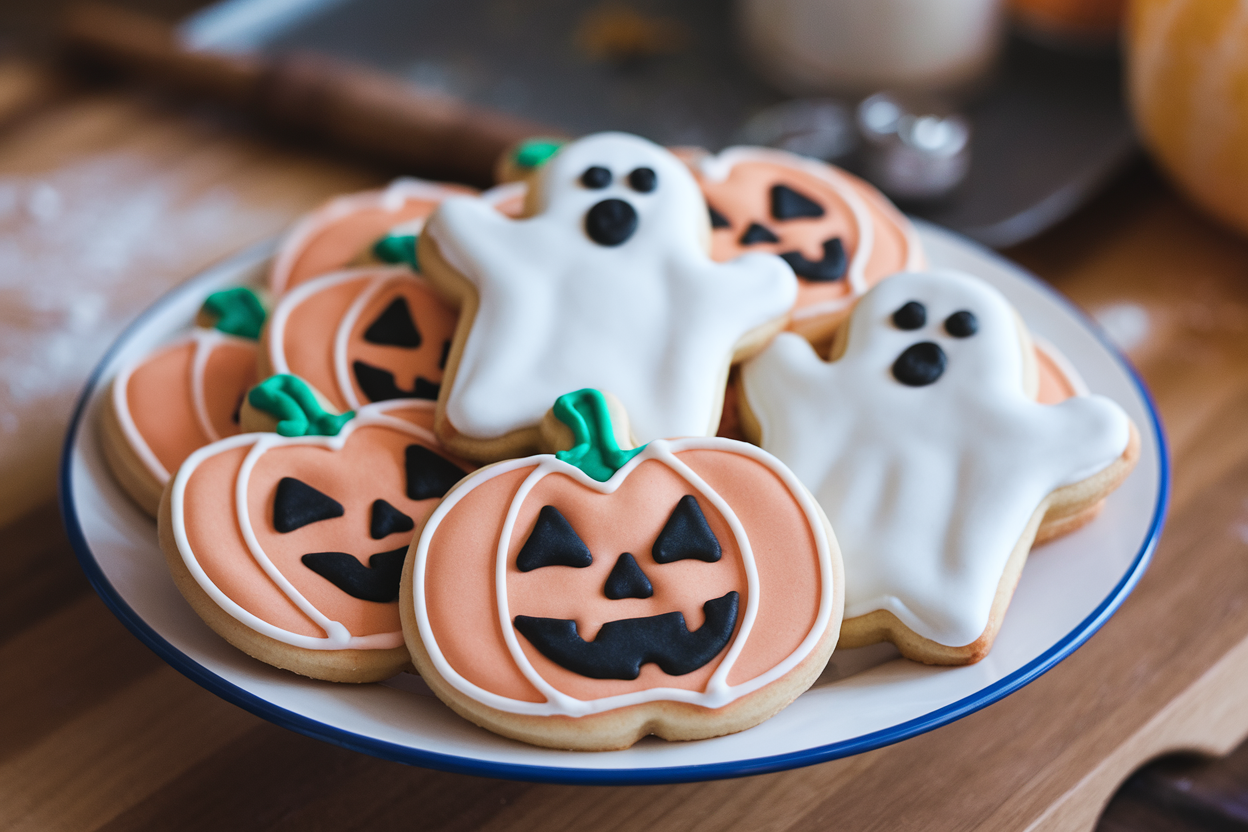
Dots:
(586, 598)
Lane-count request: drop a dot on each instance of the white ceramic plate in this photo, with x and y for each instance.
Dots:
(867, 698)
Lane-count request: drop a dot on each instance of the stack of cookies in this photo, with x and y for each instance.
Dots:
(623, 446)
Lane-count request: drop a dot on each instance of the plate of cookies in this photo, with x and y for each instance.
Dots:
(647, 465)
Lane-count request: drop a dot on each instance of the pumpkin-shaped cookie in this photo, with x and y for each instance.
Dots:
(840, 235)
(584, 599)
(165, 405)
(361, 335)
(291, 547)
(340, 231)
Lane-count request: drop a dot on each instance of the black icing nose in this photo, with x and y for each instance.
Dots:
(920, 365)
(611, 222)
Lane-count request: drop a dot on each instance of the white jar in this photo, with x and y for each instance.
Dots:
(860, 46)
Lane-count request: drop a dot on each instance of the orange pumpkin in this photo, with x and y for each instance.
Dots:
(361, 336)
(340, 231)
(291, 547)
(1187, 81)
(169, 403)
(684, 589)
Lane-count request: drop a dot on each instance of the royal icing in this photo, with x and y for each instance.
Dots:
(607, 287)
(337, 233)
(813, 214)
(775, 595)
(303, 538)
(362, 335)
(930, 468)
(183, 397)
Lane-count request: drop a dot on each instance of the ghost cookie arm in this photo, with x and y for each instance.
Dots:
(770, 386)
(759, 290)
(464, 235)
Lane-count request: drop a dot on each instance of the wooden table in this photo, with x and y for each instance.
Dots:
(97, 733)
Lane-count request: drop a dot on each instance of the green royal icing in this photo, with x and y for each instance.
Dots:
(397, 248)
(535, 152)
(291, 401)
(595, 450)
(238, 312)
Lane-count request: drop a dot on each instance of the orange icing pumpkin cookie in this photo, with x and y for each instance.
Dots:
(840, 235)
(361, 335)
(340, 231)
(163, 406)
(291, 546)
(584, 599)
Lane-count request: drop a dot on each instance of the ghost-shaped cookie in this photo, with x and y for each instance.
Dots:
(933, 463)
(606, 283)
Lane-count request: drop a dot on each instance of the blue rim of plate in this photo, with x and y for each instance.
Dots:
(617, 776)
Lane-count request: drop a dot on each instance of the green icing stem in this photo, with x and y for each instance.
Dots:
(397, 248)
(535, 152)
(237, 311)
(595, 450)
(291, 401)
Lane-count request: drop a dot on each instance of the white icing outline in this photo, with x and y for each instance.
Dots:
(337, 635)
(718, 167)
(717, 692)
(205, 340)
(391, 198)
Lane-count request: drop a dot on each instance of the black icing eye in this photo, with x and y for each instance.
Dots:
(643, 180)
(385, 520)
(296, 504)
(428, 475)
(757, 234)
(962, 324)
(920, 365)
(788, 204)
(718, 220)
(911, 316)
(394, 327)
(596, 177)
(686, 535)
(627, 580)
(552, 542)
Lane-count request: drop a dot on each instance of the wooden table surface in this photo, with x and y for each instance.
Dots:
(97, 733)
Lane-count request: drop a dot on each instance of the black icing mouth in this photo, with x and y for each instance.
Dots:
(830, 268)
(920, 365)
(622, 647)
(379, 581)
(611, 222)
(378, 385)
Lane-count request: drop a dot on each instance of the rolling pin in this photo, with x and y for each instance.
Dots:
(350, 106)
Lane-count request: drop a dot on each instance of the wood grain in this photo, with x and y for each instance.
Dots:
(96, 733)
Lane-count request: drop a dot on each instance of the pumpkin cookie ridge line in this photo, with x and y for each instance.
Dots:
(811, 512)
(337, 636)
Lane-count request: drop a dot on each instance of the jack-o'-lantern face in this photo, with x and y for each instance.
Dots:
(363, 336)
(333, 517)
(837, 232)
(597, 592)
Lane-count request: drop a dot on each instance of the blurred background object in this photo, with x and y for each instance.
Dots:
(859, 46)
(914, 148)
(1089, 22)
(1188, 86)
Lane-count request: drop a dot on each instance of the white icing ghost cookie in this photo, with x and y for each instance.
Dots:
(608, 283)
(933, 463)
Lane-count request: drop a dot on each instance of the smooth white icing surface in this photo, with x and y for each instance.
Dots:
(337, 636)
(717, 692)
(928, 488)
(654, 321)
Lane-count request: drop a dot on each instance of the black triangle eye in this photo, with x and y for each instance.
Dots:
(718, 220)
(385, 520)
(297, 504)
(429, 475)
(553, 542)
(627, 580)
(788, 204)
(686, 535)
(757, 234)
(394, 327)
